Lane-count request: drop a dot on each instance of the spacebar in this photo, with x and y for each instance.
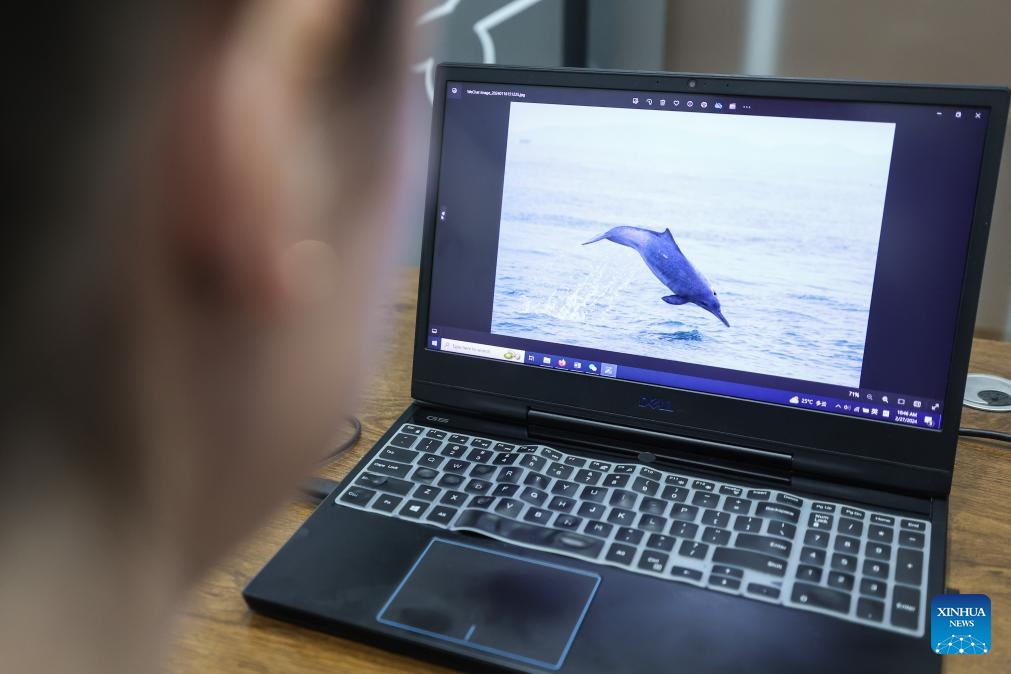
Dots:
(520, 532)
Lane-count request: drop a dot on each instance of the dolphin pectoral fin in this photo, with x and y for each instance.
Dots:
(673, 299)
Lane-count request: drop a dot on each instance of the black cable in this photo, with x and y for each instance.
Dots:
(985, 433)
(318, 488)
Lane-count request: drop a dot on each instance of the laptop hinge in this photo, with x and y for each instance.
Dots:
(660, 448)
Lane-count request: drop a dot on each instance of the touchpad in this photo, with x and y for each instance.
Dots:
(492, 601)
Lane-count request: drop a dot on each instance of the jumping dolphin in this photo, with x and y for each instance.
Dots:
(663, 257)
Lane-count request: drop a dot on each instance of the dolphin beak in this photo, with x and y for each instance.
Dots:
(719, 315)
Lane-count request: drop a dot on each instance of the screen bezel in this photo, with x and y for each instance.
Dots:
(820, 441)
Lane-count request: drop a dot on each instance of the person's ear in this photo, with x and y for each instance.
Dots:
(235, 200)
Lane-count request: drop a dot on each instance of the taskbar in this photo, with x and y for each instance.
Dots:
(883, 407)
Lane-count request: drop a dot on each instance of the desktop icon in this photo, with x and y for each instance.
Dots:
(562, 362)
(546, 360)
(592, 367)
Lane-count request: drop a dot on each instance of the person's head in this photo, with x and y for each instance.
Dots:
(196, 235)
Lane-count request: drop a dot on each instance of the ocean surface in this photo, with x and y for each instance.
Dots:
(783, 220)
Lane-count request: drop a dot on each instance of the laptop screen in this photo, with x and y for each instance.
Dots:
(789, 251)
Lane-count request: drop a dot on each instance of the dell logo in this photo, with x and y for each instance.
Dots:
(438, 420)
(658, 404)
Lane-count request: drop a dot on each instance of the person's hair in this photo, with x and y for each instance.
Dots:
(86, 75)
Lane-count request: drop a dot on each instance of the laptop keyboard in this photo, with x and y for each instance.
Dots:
(815, 555)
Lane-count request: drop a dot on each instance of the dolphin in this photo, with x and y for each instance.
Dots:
(663, 257)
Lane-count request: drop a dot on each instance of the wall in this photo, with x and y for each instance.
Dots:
(960, 42)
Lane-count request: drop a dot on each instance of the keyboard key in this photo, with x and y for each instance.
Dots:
(906, 607)
(781, 513)
(390, 468)
(908, 566)
(628, 535)
(533, 462)
(762, 591)
(840, 581)
(818, 539)
(841, 562)
(724, 582)
(413, 430)
(480, 443)
(591, 510)
(621, 517)
(765, 544)
(652, 506)
(716, 518)
(747, 559)
(431, 460)
(598, 465)
(676, 494)
(693, 550)
(685, 573)
(449, 480)
(461, 439)
(653, 561)
(595, 528)
(684, 513)
(537, 515)
(453, 450)
(390, 484)
(505, 459)
(423, 474)
(882, 519)
(812, 556)
(537, 481)
(878, 551)
(703, 485)
(853, 513)
(759, 494)
(563, 488)
(705, 499)
(620, 553)
(476, 486)
(481, 502)
(873, 588)
(747, 524)
(526, 449)
(622, 499)
(880, 534)
(533, 496)
(822, 507)
(820, 521)
(429, 445)
(482, 470)
(642, 485)
(435, 433)
(562, 504)
(727, 490)
(625, 468)
(357, 496)
(441, 515)
(593, 494)
(820, 597)
(530, 534)
(458, 466)
(510, 475)
(586, 476)
(716, 536)
(387, 503)
(403, 440)
(790, 500)
(847, 544)
(559, 470)
(660, 542)
(807, 573)
(480, 455)
(784, 529)
(508, 507)
(568, 522)
(426, 492)
(676, 480)
(551, 454)
(453, 498)
(503, 447)
(911, 539)
(650, 473)
(684, 530)
(652, 523)
(873, 569)
(737, 506)
(869, 609)
(398, 454)
(413, 509)
(616, 481)
(850, 527)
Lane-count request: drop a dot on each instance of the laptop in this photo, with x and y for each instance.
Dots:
(688, 365)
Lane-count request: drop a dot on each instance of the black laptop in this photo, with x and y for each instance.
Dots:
(689, 359)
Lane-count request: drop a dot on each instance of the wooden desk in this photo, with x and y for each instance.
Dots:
(218, 633)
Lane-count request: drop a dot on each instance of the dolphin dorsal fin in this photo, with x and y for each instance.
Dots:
(670, 237)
